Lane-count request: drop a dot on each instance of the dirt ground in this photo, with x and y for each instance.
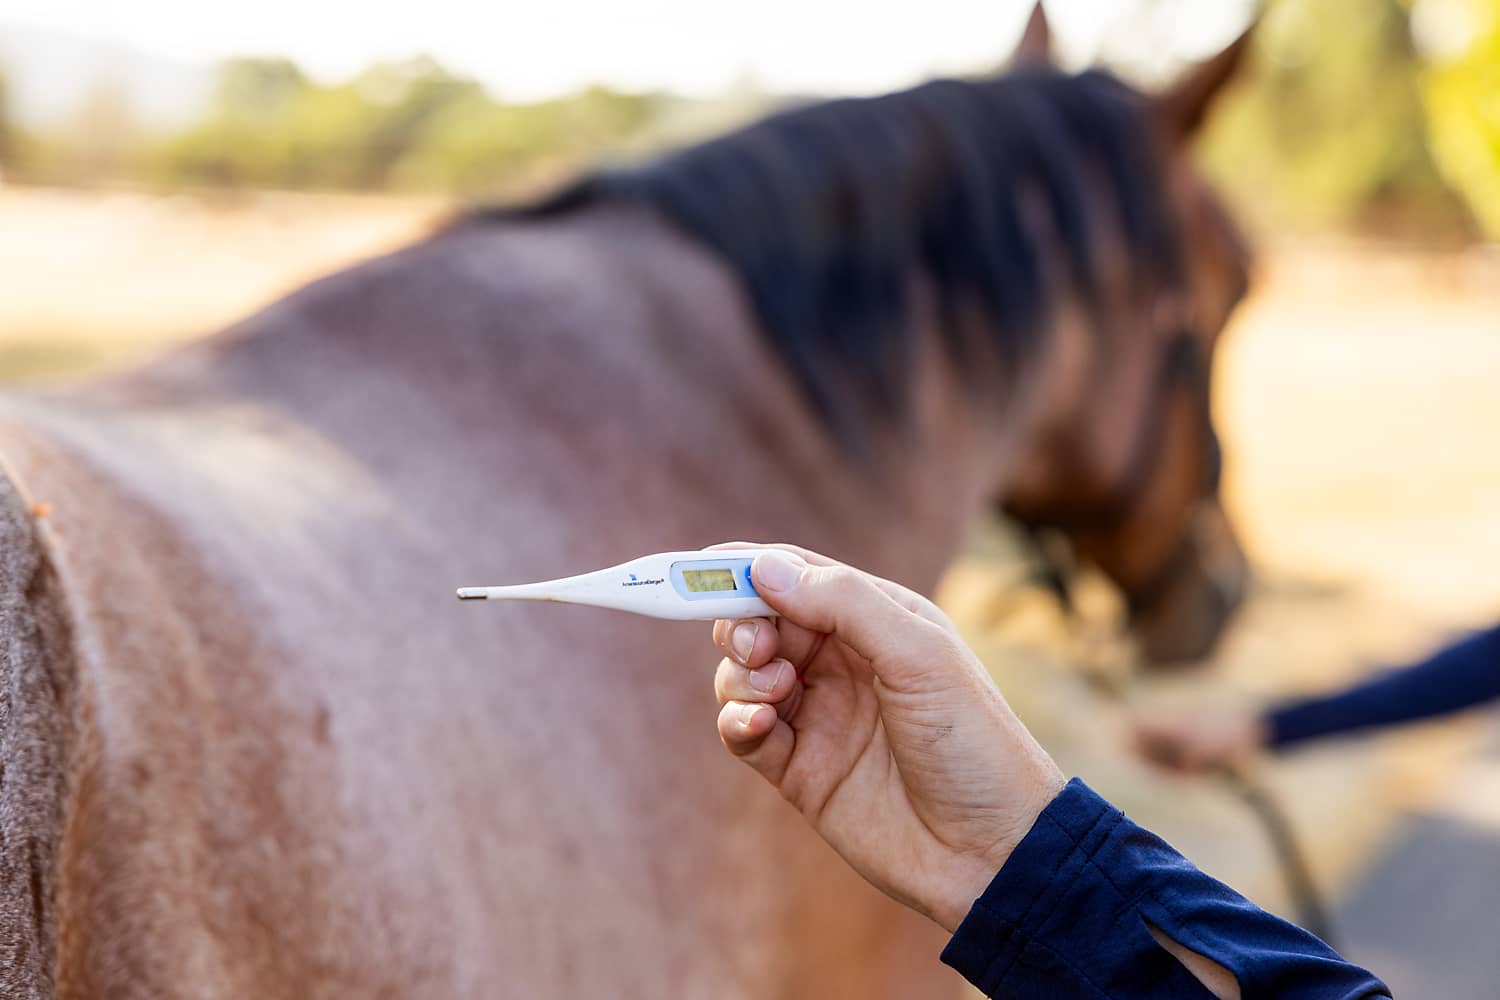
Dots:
(1359, 399)
(94, 279)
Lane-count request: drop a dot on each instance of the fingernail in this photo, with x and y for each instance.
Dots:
(748, 712)
(764, 680)
(742, 640)
(777, 571)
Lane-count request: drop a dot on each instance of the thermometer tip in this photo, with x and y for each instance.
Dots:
(471, 594)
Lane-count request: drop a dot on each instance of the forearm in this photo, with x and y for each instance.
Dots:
(1459, 676)
(1075, 906)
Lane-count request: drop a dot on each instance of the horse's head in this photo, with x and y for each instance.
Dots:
(1008, 287)
(1127, 464)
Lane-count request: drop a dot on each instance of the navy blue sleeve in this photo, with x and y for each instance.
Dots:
(1460, 676)
(1069, 912)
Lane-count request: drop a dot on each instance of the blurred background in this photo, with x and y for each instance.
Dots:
(166, 167)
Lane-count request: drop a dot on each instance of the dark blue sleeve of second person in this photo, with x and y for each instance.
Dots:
(1068, 916)
(1459, 676)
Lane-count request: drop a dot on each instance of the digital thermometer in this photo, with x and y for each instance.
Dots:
(685, 586)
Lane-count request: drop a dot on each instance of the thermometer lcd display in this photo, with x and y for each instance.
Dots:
(707, 581)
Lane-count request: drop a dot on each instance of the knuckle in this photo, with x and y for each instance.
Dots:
(935, 641)
(843, 580)
(842, 576)
(948, 645)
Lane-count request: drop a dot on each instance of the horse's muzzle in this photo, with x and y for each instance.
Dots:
(1180, 617)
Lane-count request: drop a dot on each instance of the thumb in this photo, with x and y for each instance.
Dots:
(905, 649)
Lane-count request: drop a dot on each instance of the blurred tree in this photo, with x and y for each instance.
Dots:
(243, 137)
(409, 125)
(475, 145)
(19, 150)
(258, 91)
(1330, 129)
(1462, 96)
(7, 130)
(1363, 114)
(406, 99)
(101, 140)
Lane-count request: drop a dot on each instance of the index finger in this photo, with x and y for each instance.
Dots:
(751, 642)
(776, 637)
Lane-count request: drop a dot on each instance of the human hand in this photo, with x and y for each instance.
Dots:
(863, 705)
(1201, 741)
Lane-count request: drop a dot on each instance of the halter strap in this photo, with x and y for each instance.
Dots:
(1183, 366)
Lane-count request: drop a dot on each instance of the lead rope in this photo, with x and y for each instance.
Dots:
(1308, 902)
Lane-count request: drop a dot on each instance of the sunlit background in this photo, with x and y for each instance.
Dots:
(166, 167)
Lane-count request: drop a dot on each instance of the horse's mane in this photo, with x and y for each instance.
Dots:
(826, 212)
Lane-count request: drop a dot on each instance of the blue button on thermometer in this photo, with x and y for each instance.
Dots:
(686, 586)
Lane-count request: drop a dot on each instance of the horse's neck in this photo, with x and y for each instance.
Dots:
(609, 347)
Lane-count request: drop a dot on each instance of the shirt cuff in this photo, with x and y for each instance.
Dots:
(1071, 912)
(1051, 903)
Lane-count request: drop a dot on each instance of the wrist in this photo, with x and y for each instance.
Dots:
(954, 897)
(968, 873)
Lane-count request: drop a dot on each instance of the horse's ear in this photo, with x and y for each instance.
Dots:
(1035, 46)
(1183, 107)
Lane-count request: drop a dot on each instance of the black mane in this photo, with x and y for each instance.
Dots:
(827, 212)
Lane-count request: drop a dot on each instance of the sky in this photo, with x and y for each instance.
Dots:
(541, 48)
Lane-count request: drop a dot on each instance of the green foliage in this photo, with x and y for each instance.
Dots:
(17, 147)
(1342, 122)
(409, 125)
(1462, 98)
(7, 130)
(1329, 129)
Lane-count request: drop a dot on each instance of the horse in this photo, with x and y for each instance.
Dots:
(251, 745)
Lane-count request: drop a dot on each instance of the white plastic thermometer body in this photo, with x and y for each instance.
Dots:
(685, 586)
